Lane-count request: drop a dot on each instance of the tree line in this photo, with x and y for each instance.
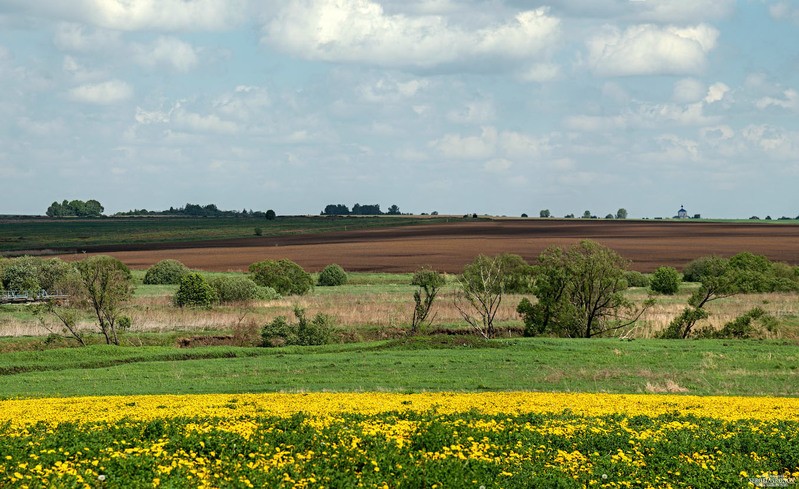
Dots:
(196, 210)
(359, 210)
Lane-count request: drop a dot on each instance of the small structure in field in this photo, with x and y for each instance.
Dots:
(682, 213)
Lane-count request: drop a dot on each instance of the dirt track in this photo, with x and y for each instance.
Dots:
(447, 247)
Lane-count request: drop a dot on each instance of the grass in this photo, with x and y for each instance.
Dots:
(76, 234)
(768, 368)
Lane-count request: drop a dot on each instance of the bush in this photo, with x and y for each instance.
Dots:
(234, 289)
(696, 269)
(194, 291)
(22, 275)
(280, 332)
(665, 280)
(267, 294)
(166, 272)
(285, 276)
(332, 275)
(742, 327)
(636, 279)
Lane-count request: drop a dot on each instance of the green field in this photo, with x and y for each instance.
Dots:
(75, 234)
(763, 368)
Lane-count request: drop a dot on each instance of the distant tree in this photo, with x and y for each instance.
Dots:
(336, 210)
(332, 275)
(366, 210)
(697, 216)
(768, 218)
(394, 210)
(270, 215)
(569, 216)
(233, 289)
(665, 280)
(75, 208)
(194, 291)
(580, 293)
(108, 285)
(285, 276)
(621, 213)
(544, 213)
(587, 215)
(524, 214)
(609, 216)
(166, 272)
(428, 283)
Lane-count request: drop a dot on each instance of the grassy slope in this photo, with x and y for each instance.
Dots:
(597, 365)
(37, 234)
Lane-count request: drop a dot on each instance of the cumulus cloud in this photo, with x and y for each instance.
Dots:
(166, 52)
(104, 93)
(716, 93)
(541, 72)
(688, 90)
(649, 11)
(134, 15)
(789, 101)
(360, 31)
(468, 147)
(648, 49)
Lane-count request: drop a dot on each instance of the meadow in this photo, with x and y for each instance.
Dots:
(190, 399)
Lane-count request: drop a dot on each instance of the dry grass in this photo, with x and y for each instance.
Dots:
(668, 387)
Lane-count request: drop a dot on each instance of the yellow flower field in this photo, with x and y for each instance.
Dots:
(510, 439)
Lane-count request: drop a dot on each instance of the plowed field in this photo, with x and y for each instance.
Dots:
(447, 247)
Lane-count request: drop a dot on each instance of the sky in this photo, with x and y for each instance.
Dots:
(497, 107)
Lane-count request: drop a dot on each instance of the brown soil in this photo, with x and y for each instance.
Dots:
(448, 247)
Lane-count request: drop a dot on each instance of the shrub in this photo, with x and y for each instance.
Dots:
(166, 272)
(332, 275)
(234, 288)
(665, 280)
(285, 276)
(636, 279)
(280, 332)
(22, 275)
(194, 291)
(742, 327)
(267, 294)
(696, 269)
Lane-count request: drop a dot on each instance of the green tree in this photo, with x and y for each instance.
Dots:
(166, 272)
(665, 280)
(544, 213)
(285, 276)
(194, 291)
(394, 210)
(428, 283)
(108, 285)
(587, 215)
(332, 275)
(580, 293)
(235, 288)
(270, 215)
(621, 213)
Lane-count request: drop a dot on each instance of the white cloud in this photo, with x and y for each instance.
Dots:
(166, 52)
(775, 141)
(109, 92)
(784, 11)
(360, 31)
(244, 103)
(202, 123)
(388, 89)
(682, 10)
(522, 146)
(541, 72)
(648, 49)
(469, 147)
(497, 165)
(135, 15)
(78, 38)
(474, 112)
(716, 93)
(790, 101)
(688, 90)
(80, 73)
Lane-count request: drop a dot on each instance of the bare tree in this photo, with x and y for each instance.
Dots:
(107, 285)
(480, 294)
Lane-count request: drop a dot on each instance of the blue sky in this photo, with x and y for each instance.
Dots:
(498, 107)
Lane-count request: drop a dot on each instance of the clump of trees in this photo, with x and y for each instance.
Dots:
(304, 332)
(75, 208)
(358, 210)
(724, 277)
(284, 276)
(194, 291)
(331, 276)
(579, 291)
(166, 272)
